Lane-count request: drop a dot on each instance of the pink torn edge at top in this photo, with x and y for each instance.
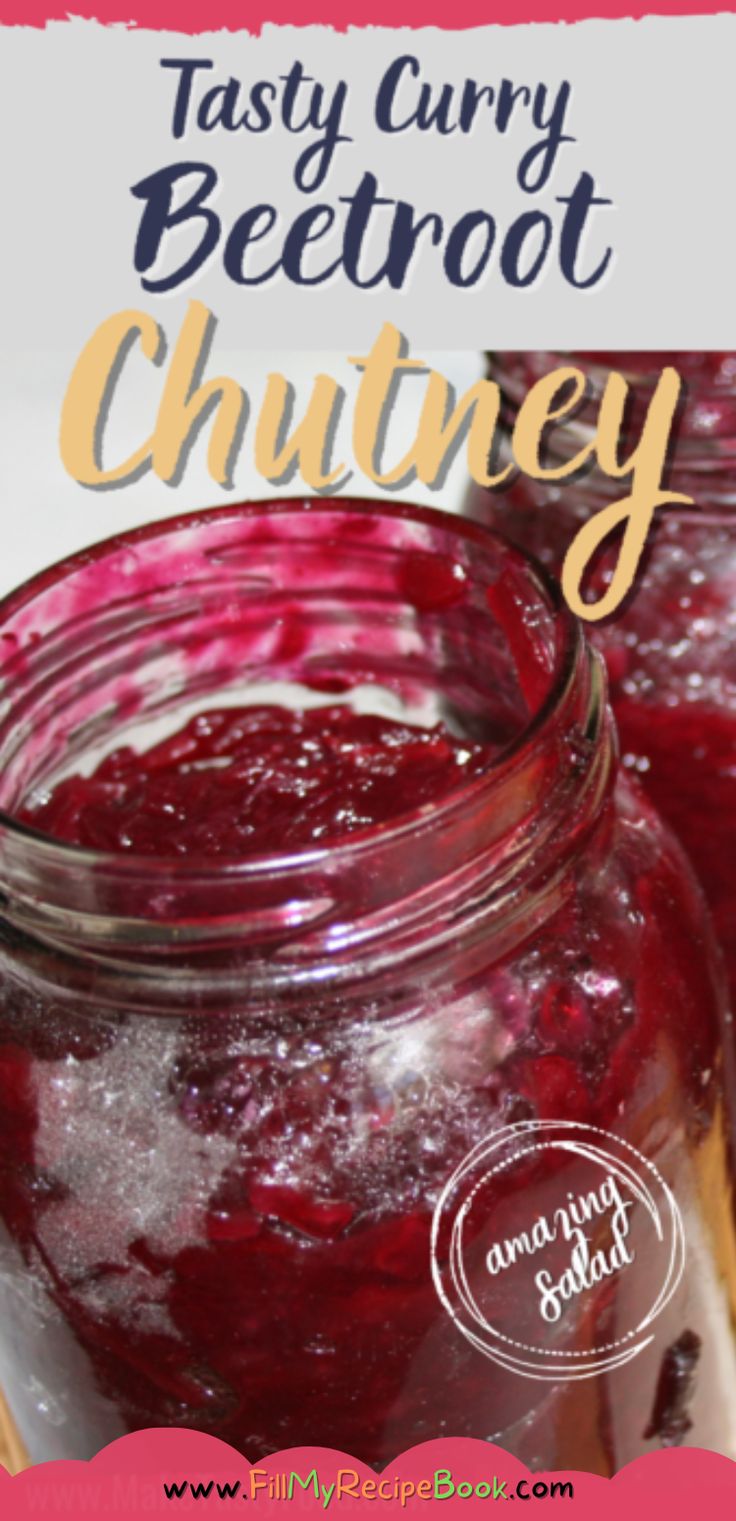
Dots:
(197, 16)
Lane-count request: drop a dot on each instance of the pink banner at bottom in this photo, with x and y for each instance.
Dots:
(174, 1473)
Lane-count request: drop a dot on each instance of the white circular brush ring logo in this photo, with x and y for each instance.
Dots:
(588, 1234)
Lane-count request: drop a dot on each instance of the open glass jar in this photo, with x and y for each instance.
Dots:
(233, 1091)
(671, 649)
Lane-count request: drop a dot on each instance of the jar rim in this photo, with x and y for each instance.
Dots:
(403, 825)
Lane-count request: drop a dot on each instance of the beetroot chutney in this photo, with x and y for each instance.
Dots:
(248, 780)
(317, 869)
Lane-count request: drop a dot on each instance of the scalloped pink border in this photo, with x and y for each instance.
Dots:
(125, 1481)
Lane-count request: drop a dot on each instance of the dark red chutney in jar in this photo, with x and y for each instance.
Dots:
(671, 648)
(316, 870)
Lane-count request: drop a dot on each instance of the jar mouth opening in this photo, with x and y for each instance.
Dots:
(476, 541)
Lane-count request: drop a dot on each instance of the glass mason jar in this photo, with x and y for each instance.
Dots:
(704, 454)
(671, 649)
(232, 1093)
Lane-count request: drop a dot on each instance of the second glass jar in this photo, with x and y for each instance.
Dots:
(671, 649)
